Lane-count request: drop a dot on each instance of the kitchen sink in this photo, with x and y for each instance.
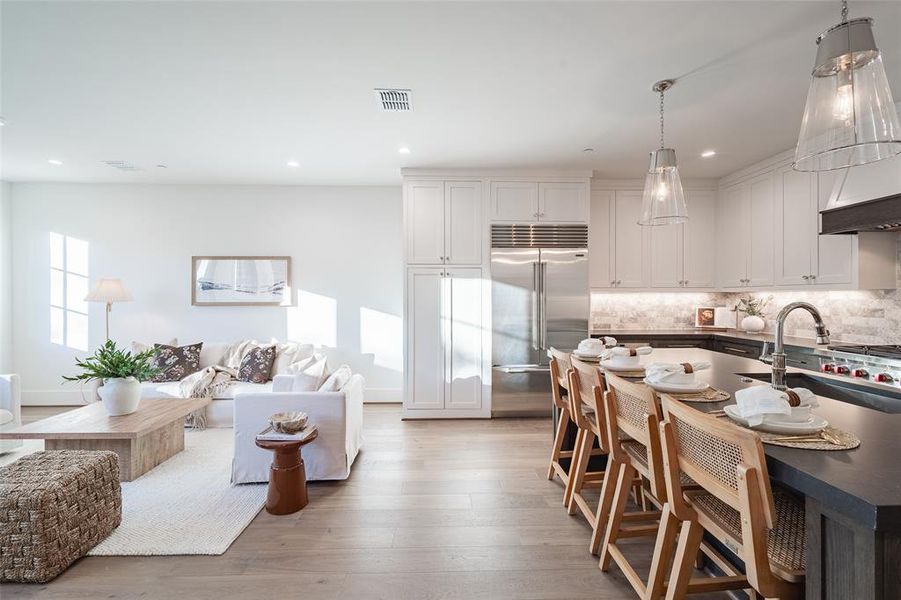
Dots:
(887, 401)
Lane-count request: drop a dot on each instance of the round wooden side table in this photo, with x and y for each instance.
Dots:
(287, 476)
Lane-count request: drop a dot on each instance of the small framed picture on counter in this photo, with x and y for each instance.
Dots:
(705, 316)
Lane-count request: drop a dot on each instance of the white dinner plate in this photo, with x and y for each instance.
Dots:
(679, 388)
(587, 355)
(612, 366)
(770, 424)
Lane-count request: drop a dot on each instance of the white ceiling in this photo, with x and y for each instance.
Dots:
(227, 92)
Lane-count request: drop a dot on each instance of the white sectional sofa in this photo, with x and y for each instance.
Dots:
(10, 409)
(247, 406)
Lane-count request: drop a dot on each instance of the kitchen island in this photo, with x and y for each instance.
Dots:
(853, 497)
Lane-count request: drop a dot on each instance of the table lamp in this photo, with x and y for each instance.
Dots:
(108, 290)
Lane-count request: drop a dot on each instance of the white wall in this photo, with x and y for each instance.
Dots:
(345, 244)
(6, 284)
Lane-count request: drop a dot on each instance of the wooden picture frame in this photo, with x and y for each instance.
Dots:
(705, 317)
(228, 280)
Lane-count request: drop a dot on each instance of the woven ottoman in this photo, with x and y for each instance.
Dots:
(54, 507)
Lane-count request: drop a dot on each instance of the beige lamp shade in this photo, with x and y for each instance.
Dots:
(109, 290)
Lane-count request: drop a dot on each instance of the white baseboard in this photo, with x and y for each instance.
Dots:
(75, 398)
(383, 395)
(55, 397)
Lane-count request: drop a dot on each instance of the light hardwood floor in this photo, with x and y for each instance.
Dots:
(434, 509)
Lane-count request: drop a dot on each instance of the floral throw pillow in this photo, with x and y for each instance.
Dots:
(176, 362)
(256, 366)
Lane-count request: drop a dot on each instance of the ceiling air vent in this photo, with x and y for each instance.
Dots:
(122, 165)
(394, 100)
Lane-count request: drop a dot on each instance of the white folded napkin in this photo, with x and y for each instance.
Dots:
(591, 346)
(610, 341)
(755, 403)
(660, 372)
(620, 351)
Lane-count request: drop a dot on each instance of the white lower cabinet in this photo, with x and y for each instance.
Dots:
(445, 322)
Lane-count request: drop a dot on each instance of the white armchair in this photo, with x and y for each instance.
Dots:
(339, 416)
(10, 409)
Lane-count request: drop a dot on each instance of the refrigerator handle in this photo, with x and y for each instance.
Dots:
(536, 308)
(543, 303)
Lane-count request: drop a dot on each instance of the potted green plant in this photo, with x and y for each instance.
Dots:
(121, 373)
(754, 309)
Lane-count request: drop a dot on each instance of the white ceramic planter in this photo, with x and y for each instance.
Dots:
(753, 324)
(120, 396)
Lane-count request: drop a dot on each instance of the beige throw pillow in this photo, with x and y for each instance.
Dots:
(309, 374)
(288, 353)
(337, 380)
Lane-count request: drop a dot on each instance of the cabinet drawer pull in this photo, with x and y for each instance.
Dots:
(734, 349)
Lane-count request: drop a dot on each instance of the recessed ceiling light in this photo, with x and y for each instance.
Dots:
(708, 153)
(161, 166)
(587, 149)
(403, 150)
(293, 164)
(54, 162)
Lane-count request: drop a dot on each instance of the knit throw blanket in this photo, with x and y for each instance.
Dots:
(206, 383)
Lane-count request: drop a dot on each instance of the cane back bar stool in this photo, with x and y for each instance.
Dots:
(734, 503)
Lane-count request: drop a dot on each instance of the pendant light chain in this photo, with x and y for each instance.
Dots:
(844, 11)
(661, 120)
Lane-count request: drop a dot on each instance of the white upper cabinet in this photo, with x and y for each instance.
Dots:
(683, 255)
(514, 201)
(424, 206)
(761, 213)
(544, 202)
(565, 202)
(600, 240)
(745, 234)
(796, 203)
(463, 226)
(732, 233)
(833, 254)
(444, 222)
(629, 241)
(667, 258)
(699, 240)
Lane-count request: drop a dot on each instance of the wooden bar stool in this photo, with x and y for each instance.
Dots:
(734, 503)
(633, 415)
(586, 385)
(559, 364)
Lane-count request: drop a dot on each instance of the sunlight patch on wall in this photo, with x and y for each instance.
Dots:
(313, 319)
(381, 334)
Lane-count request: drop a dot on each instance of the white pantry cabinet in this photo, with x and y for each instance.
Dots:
(443, 222)
(745, 220)
(539, 202)
(445, 339)
(682, 256)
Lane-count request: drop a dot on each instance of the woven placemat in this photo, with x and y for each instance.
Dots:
(636, 374)
(711, 394)
(848, 439)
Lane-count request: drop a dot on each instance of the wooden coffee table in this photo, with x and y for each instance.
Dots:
(143, 439)
(287, 476)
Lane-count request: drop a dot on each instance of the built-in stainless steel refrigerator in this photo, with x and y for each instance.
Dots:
(539, 300)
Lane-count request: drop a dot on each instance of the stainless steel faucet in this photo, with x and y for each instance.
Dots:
(777, 358)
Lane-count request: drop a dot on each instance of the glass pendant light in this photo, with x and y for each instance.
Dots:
(850, 117)
(663, 202)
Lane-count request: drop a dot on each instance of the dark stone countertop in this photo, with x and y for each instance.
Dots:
(731, 334)
(864, 483)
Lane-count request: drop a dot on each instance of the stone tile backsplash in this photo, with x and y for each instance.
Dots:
(869, 317)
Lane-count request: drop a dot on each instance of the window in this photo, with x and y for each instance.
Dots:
(68, 287)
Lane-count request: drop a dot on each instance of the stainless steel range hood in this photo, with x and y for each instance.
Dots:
(881, 214)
